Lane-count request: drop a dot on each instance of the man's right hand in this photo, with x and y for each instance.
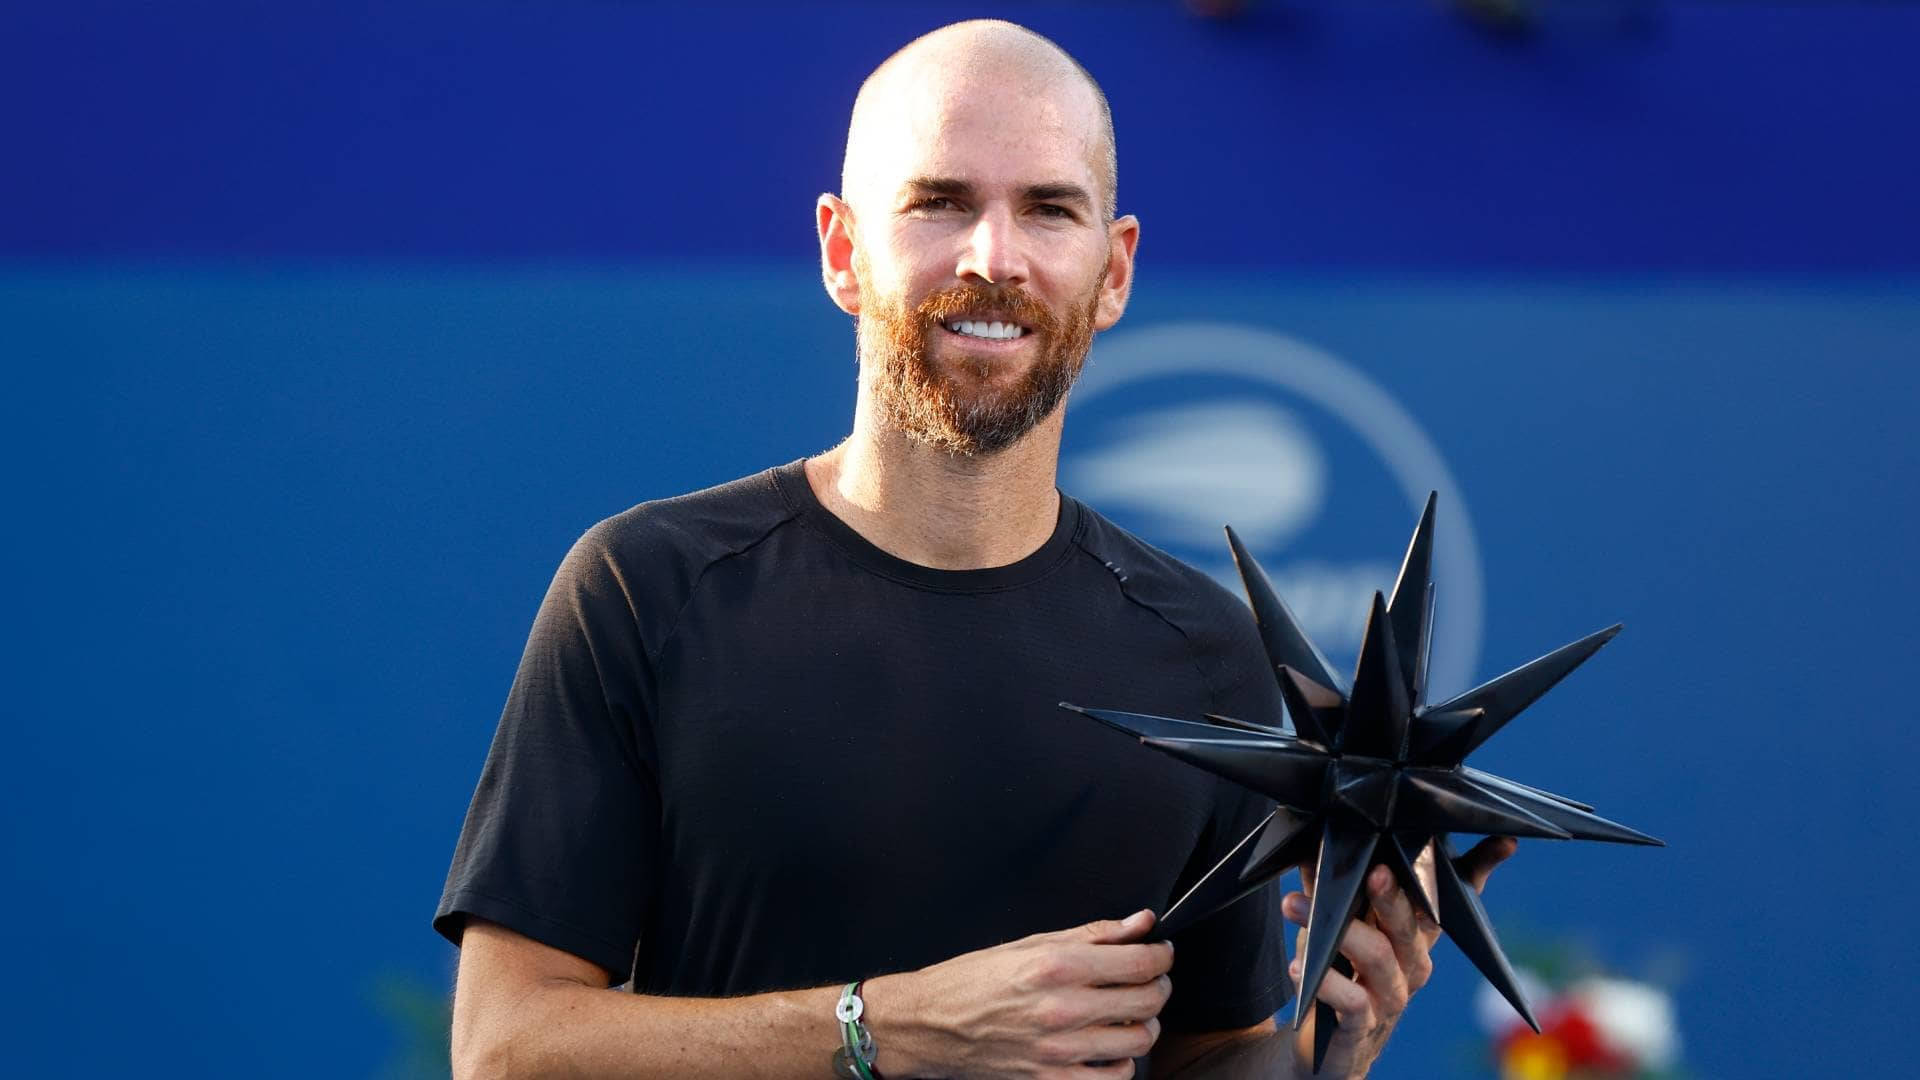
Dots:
(1072, 1003)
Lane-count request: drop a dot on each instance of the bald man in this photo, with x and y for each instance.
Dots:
(791, 744)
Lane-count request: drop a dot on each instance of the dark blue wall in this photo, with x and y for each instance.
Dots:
(1724, 136)
(326, 328)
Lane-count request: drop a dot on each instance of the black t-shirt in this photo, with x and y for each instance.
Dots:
(747, 750)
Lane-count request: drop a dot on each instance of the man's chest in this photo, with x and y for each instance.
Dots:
(830, 730)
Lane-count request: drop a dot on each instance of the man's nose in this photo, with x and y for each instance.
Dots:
(993, 251)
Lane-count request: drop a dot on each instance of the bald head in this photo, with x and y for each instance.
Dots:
(929, 77)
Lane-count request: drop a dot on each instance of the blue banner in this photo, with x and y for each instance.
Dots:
(285, 532)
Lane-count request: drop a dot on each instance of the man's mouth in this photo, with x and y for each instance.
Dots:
(981, 328)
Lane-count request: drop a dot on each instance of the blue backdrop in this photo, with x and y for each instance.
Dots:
(327, 328)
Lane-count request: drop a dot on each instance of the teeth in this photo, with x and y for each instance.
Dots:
(976, 328)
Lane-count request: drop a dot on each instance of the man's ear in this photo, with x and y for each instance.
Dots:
(1123, 236)
(835, 221)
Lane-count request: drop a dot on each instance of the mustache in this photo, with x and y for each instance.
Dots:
(1008, 301)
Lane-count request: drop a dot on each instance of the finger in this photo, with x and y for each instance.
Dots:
(1130, 1004)
(1376, 961)
(1376, 967)
(1097, 1070)
(1105, 1043)
(1478, 863)
(1309, 873)
(1394, 914)
(1123, 965)
(1115, 931)
(1296, 906)
(1351, 1002)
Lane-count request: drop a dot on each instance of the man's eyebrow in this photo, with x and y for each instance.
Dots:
(940, 185)
(1059, 191)
(1055, 191)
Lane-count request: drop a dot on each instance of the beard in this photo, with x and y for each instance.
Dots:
(959, 411)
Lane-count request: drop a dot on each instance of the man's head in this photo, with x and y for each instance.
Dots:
(977, 190)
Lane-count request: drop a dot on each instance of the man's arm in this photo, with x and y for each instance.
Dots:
(1390, 957)
(1042, 1006)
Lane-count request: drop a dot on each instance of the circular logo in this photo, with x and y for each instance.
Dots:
(1182, 428)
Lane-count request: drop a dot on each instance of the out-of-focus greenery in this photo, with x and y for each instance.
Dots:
(421, 1015)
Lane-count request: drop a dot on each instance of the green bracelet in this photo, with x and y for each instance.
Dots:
(854, 1059)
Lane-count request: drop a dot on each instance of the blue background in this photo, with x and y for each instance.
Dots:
(327, 327)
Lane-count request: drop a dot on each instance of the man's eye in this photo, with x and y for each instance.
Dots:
(933, 202)
(1054, 210)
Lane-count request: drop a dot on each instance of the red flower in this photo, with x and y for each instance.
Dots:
(1567, 1040)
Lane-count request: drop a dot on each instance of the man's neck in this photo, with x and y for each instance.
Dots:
(943, 510)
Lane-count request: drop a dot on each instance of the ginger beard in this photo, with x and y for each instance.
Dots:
(959, 410)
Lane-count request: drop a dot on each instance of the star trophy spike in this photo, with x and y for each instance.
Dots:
(1370, 775)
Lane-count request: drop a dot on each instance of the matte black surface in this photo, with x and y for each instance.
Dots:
(1371, 776)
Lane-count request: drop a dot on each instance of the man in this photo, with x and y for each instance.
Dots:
(799, 730)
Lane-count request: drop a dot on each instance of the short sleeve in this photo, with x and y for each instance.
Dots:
(561, 839)
(1230, 970)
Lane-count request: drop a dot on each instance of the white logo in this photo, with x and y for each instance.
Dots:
(1241, 450)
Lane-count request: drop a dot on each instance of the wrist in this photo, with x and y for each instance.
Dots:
(903, 1041)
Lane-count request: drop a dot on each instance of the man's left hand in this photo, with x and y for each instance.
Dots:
(1389, 951)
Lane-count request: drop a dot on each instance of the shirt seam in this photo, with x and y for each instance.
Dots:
(693, 590)
(1214, 692)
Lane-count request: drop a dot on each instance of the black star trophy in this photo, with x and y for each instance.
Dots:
(1370, 775)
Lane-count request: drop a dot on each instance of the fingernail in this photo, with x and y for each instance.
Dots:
(1381, 880)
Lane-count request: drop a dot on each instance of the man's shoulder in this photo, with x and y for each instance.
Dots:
(674, 539)
(737, 512)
